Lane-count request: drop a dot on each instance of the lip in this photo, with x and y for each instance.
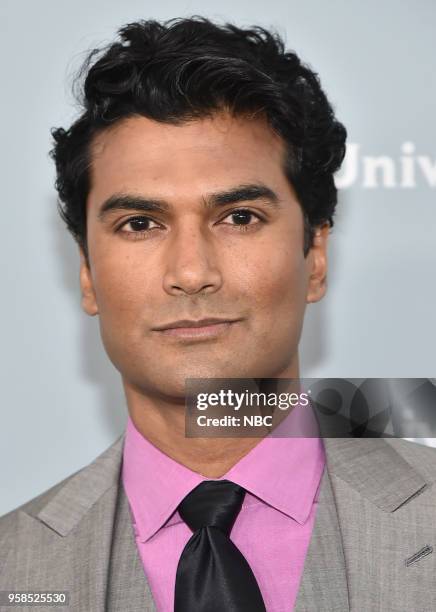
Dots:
(204, 328)
(184, 323)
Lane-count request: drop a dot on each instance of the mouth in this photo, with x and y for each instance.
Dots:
(203, 329)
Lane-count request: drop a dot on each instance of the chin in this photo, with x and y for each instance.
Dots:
(174, 386)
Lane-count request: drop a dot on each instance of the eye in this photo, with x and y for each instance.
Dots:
(242, 217)
(139, 225)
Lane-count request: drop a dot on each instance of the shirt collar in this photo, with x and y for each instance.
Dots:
(284, 472)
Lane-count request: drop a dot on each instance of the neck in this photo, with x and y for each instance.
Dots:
(163, 424)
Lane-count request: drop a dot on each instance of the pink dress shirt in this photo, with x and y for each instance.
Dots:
(272, 530)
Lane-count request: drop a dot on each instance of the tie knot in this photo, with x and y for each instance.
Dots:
(213, 503)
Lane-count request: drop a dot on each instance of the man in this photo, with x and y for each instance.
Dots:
(198, 184)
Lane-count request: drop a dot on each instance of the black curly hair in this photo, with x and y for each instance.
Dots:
(190, 68)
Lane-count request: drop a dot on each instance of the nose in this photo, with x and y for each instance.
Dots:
(191, 262)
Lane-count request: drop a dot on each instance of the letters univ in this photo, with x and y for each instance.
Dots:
(409, 170)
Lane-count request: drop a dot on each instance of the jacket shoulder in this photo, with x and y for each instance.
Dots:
(420, 456)
(9, 523)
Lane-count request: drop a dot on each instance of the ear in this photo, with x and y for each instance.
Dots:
(317, 261)
(89, 302)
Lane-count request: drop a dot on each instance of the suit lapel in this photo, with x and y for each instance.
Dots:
(368, 522)
(92, 515)
(323, 584)
(373, 468)
(82, 513)
(86, 543)
(128, 588)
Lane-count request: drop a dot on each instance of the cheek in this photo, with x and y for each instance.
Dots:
(274, 278)
(121, 290)
(121, 287)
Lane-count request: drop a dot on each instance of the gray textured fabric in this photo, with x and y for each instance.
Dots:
(324, 583)
(128, 588)
(377, 508)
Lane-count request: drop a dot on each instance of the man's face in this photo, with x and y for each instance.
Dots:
(195, 254)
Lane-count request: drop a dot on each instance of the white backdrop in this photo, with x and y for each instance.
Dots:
(62, 401)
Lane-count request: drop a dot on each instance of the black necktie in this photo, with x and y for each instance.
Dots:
(212, 574)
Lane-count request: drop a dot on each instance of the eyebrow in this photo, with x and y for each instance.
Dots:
(139, 203)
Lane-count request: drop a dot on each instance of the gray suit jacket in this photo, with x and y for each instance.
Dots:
(371, 548)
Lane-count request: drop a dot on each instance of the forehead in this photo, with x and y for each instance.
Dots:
(202, 155)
